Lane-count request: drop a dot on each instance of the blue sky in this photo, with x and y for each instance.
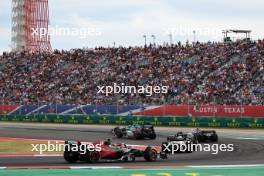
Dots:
(125, 21)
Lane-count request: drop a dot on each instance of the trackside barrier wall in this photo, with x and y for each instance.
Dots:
(138, 110)
(225, 122)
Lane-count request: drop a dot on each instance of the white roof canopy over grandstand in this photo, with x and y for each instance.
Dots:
(236, 31)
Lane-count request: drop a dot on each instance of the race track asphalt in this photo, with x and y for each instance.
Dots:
(249, 145)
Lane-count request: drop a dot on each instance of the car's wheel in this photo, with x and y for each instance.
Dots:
(200, 138)
(118, 132)
(195, 140)
(137, 135)
(150, 154)
(152, 136)
(92, 156)
(70, 156)
(214, 138)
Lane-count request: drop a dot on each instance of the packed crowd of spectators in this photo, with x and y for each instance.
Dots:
(199, 73)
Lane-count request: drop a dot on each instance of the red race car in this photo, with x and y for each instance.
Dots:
(104, 150)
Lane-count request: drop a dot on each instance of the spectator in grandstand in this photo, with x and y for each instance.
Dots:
(206, 73)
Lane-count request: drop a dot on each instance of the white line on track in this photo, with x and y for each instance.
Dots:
(27, 139)
(243, 138)
(182, 168)
(248, 138)
(47, 155)
(95, 167)
(227, 166)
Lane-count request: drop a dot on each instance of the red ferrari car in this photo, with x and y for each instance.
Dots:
(104, 150)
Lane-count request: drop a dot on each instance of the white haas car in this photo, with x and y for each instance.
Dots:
(179, 143)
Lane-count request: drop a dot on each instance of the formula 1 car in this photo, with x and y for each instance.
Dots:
(179, 143)
(78, 151)
(205, 135)
(135, 132)
(185, 136)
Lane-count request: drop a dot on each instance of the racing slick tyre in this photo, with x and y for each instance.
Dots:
(214, 138)
(118, 132)
(152, 136)
(137, 135)
(92, 156)
(150, 154)
(199, 138)
(70, 156)
(195, 140)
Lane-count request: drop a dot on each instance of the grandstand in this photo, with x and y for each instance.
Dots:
(201, 73)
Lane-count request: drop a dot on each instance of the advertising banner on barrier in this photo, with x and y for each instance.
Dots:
(146, 110)
(5, 109)
(216, 122)
(205, 111)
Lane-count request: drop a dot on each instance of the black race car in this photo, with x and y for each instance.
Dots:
(205, 135)
(185, 136)
(135, 132)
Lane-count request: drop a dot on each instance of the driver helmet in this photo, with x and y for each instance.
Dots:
(180, 137)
